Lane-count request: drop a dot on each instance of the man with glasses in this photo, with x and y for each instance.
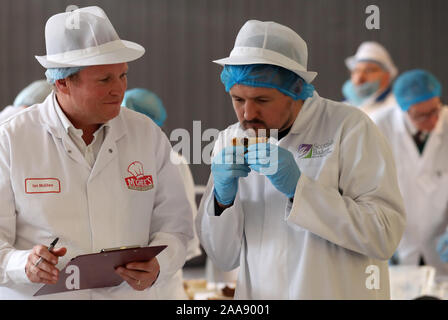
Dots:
(418, 134)
(371, 73)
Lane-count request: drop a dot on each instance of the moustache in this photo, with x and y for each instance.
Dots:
(247, 123)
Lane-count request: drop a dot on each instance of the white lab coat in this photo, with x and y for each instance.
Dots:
(94, 208)
(347, 214)
(423, 181)
(174, 288)
(373, 104)
(9, 111)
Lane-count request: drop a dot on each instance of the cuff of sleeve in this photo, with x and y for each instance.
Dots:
(15, 268)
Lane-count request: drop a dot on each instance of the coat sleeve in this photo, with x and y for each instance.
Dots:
(221, 236)
(366, 213)
(12, 261)
(172, 218)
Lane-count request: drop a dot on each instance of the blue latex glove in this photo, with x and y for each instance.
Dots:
(277, 164)
(227, 167)
(442, 247)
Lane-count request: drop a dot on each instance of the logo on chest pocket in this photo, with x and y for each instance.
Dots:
(138, 181)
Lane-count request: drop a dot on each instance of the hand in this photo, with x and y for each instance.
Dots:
(277, 164)
(227, 167)
(442, 247)
(140, 275)
(45, 271)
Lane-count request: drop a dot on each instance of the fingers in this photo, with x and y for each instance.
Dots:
(40, 266)
(42, 251)
(59, 252)
(140, 275)
(134, 283)
(147, 266)
(230, 155)
(44, 272)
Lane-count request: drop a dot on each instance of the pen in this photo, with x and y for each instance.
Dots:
(49, 249)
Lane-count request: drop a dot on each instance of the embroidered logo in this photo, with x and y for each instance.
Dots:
(138, 181)
(306, 151)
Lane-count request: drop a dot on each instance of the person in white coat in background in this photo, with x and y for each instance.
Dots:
(314, 214)
(35, 92)
(82, 168)
(371, 75)
(417, 131)
(149, 104)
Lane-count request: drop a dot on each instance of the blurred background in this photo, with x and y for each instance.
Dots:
(182, 37)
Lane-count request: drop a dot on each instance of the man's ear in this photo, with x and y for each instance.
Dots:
(62, 86)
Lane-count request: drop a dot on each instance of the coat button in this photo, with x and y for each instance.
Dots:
(110, 151)
(69, 151)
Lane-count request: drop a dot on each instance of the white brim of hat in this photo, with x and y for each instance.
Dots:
(114, 52)
(308, 76)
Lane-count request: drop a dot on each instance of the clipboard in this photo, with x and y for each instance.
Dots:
(97, 270)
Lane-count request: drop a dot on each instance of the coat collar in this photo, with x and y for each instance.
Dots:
(55, 126)
(305, 114)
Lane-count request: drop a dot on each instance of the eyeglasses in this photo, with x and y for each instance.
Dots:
(420, 117)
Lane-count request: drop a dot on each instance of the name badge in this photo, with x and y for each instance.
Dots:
(42, 185)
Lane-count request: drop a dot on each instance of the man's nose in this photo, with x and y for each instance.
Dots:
(118, 88)
(358, 78)
(250, 110)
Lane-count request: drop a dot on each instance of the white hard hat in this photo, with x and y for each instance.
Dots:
(371, 51)
(35, 92)
(260, 42)
(85, 37)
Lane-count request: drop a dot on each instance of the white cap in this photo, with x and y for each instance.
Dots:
(35, 92)
(260, 42)
(371, 51)
(85, 37)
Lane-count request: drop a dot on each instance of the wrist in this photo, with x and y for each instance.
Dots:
(222, 201)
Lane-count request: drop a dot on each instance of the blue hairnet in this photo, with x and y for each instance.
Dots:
(54, 74)
(146, 102)
(36, 92)
(415, 86)
(267, 76)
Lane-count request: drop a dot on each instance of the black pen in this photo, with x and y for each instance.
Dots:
(49, 249)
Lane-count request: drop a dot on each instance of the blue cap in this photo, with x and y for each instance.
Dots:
(415, 86)
(146, 102)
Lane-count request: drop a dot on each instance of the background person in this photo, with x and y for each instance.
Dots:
(372, 72)
(35, 92)
(417, 131)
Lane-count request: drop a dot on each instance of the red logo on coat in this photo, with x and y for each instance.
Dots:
(138, 181)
